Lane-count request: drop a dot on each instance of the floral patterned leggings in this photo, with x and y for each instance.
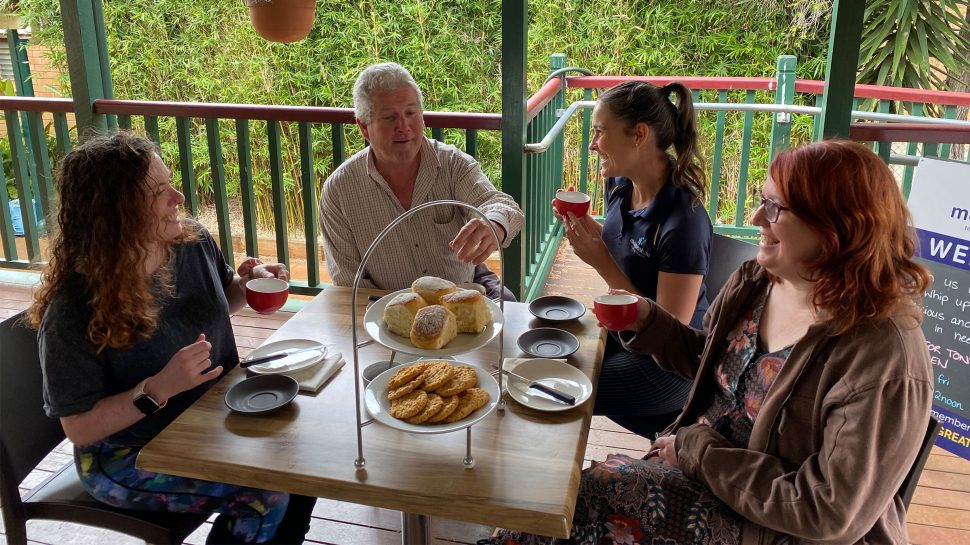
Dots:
(109, 474)
(629, 501)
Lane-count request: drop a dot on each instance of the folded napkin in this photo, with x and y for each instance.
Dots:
(312, 378)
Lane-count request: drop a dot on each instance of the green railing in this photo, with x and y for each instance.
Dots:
(309, 129)
(747, 120)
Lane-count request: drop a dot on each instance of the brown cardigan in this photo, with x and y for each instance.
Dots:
(837, 432)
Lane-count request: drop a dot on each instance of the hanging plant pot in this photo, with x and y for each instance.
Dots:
(281, 20)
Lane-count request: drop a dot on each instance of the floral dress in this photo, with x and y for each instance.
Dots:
(628, 501)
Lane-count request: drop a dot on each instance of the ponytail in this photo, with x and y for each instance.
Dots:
(687, 168)
(672, 121)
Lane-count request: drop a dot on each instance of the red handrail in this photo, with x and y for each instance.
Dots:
(930, 133)
(542, 97)
(32, 104)
(313, 114)
(693, 82)
(881, 92)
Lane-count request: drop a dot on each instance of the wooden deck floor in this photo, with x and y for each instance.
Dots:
(939, 514)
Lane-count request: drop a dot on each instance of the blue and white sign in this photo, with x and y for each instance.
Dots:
(940, 203)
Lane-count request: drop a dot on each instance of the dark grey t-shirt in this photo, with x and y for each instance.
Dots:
(76, 376)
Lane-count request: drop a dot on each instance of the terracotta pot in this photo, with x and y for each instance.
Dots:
(282, 20)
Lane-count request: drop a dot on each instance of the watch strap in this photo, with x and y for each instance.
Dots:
(144, 401)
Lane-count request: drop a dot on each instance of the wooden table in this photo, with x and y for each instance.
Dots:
(528, 462)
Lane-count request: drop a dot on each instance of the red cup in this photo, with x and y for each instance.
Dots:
(615, 311)
(571, 201)
(266, 295)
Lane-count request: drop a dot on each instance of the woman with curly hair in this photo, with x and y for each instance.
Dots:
(133, 327)
(811, 378)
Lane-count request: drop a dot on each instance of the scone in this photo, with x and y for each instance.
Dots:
(432, 288)
(399, 313)
(471, 310)
(434, 326)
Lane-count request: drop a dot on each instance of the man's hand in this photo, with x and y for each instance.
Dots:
(475, 242)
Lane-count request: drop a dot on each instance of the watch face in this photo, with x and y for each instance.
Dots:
(145, 404)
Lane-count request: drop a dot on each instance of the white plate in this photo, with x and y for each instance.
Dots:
(464, 342)
(289, 364)
(554, 374)
(377, 404)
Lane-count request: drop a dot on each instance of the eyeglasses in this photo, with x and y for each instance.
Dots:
(772, 208)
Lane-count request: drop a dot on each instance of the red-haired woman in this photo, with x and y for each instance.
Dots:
(812, 379)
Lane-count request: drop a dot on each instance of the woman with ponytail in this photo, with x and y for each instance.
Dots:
(655, 240)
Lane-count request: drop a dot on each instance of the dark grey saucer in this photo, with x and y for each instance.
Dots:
(556, 308)
(548, 342)
(261, 394)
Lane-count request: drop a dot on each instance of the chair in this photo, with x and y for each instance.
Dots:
(908, 487)
(727, 254)
(27, 435)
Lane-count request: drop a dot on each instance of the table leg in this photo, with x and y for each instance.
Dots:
(416, 529)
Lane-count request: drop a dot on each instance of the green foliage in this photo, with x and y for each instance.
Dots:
(208, 52)
(913, 43)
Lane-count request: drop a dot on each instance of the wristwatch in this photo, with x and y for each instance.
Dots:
(145, 402)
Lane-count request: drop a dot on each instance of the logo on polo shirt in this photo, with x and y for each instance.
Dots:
(639, 247)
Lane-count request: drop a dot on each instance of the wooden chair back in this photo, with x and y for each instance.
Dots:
(27, 435)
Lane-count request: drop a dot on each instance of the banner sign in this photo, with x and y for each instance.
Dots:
(940, 204)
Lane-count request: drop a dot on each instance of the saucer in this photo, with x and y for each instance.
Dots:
(290, 364)
(556, 308)
(261, 394)
(554, 374)
(548, 342)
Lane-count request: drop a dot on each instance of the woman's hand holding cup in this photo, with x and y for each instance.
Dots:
(253, 267)
(265, 285)
(620, 310)
(570, 202)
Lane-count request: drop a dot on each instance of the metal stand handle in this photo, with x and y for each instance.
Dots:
(360, 463)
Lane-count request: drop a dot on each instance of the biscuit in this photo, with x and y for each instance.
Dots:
(450, 404)
(472, 399)
(435, 403)
(464, 378)
(409, 405)
(437, 374)
(405, 375)
(406, 389)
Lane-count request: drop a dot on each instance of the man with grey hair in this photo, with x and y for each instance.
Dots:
(402, 169)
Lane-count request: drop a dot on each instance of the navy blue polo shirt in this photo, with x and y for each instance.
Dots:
(669, 235)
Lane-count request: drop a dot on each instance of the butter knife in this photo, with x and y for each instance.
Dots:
(565, 398)
(280, 355)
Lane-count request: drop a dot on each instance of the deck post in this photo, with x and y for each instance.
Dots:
(784, 94)
(515, 35)
(841, 67)
(87, 62)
